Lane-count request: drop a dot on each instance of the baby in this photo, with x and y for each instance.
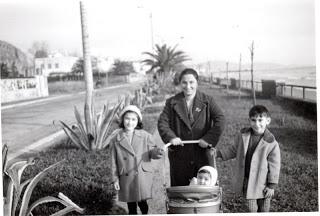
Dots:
(206, 175)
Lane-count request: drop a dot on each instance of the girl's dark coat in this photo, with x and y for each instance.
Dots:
(174, 122)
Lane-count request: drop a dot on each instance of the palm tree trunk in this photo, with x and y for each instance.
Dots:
(87, 70)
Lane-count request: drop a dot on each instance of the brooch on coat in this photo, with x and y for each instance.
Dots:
(198, 109)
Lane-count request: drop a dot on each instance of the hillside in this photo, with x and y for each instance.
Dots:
(11, 55)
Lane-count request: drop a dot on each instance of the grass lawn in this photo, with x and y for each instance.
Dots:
(297, 137)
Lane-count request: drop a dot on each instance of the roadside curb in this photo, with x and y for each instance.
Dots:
(43, 143)
(53, 98)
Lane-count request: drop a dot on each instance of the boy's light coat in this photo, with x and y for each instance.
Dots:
(265, 163)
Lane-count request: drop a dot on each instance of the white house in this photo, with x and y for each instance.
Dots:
(54, 63)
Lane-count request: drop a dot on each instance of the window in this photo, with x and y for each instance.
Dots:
(49, 66)
(57, 65)
(42, 66)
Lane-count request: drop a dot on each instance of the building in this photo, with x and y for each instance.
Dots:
(54, 63)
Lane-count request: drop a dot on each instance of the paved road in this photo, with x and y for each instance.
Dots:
(25, 125)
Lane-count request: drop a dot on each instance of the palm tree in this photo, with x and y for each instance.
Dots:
(164, 60)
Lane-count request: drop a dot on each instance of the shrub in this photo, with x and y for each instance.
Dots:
(85, 178)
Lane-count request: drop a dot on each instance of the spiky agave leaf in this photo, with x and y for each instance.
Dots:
(31, 186)
(44, 200)
(16, 200)
(74, 137)
(81, 125)
(111, 121)
(106, 125)
(64, 211)
(4, 156)
(100, 120)
(9, 200)
(15, 172)
(70, 202)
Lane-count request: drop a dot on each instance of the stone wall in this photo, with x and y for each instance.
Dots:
(23, 88)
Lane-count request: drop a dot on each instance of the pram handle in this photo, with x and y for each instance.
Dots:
(185, 142)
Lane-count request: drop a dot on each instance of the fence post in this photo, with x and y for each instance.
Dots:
(303, 92)
(291, 91)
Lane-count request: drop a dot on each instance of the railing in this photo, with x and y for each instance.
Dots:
(297, 91)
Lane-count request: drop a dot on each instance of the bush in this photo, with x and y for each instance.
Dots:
(85, 177)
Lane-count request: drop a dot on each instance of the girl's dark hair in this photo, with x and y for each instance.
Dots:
(188, 71)
(139, 125)
(259, 110)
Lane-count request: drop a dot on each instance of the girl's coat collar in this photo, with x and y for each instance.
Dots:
(123, 141)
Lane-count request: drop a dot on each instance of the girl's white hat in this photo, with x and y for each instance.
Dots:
(213, 172)
(132, 108)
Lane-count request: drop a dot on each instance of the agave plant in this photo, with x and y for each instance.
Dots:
(141, 99)
(15, 189)
(92, 135)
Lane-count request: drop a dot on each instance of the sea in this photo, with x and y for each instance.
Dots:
(303, 76)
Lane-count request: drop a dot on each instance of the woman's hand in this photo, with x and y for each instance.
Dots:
(176, 141)
(116, 185)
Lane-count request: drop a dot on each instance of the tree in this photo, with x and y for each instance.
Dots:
(78, 67)
(164, 61)
(39, 49)
(122, 68)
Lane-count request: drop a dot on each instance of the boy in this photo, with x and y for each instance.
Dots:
(206, 175)
(257, 156)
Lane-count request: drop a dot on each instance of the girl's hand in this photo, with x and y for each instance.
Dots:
(157, 153)
(116, 185)
(204, 144)
(176, 141)
(268, 192)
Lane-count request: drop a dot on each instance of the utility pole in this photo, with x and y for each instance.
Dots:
(87, 69)
(227, 78)
(252, 82)
(151, 27)
(240, 77)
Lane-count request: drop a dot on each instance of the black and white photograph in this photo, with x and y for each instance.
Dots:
(117, 107)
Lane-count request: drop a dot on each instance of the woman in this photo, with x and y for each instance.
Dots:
(189, 115)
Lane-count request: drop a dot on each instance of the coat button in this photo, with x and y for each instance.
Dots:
(124, 158)
(127, 174)
(191, 162)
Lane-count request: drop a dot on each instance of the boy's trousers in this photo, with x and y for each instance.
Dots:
(258, 205)
(255, 205)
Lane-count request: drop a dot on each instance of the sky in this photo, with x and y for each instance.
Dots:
(283, 31)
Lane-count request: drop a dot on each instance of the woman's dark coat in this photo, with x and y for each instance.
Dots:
(174, 122)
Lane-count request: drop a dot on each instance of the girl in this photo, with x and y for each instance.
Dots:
(132, 151)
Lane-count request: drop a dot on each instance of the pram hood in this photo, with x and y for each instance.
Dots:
(213, 172)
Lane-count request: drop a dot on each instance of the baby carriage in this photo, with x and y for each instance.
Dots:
(194, 199)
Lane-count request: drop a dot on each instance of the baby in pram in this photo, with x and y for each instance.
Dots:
(207, 175)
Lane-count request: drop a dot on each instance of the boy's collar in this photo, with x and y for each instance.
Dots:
(267, 135)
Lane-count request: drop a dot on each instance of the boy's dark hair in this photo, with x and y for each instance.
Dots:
(139, 125)
(259, 110)
(204, 171)
(189, 71)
